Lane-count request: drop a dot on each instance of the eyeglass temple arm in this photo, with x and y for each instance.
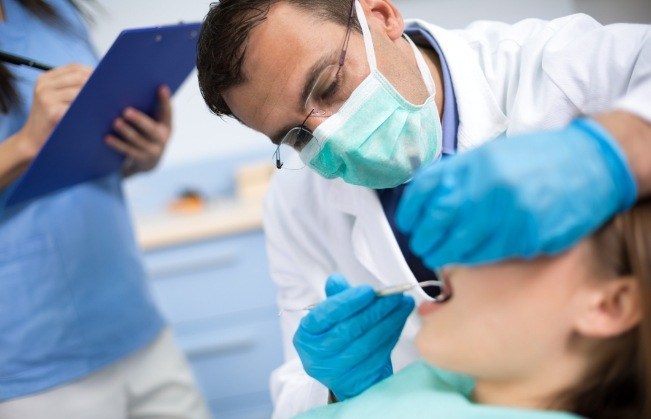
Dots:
(279, 164)
(342, 56)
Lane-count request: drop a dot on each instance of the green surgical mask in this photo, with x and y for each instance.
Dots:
(376, 136)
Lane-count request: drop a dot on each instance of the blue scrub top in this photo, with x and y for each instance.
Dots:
(73, 296)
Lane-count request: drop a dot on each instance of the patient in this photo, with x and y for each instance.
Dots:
(560, 337)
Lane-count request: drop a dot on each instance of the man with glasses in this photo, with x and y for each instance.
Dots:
(363, 99)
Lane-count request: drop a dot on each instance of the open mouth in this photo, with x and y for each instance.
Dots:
(446, 290)
(444, 285)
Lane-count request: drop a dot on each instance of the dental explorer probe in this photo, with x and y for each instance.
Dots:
(384, 292)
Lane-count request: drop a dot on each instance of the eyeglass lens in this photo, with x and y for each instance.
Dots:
(324, 99)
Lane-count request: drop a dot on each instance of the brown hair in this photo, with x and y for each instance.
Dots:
(618, 382)
(44, 11)
(224, 33)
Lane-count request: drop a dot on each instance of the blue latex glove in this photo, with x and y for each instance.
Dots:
(346, 341)
(516, 197)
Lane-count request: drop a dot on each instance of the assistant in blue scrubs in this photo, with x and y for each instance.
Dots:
(73, 296)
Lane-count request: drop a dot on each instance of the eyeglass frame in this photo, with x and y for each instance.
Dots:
(342, 59)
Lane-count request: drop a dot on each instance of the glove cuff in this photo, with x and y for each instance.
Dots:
(615, 160)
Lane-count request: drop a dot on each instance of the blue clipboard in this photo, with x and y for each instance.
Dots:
(138, 62)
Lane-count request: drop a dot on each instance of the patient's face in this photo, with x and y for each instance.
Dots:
(508, 319)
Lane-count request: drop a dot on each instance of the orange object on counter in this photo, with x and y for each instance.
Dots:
(188, 202)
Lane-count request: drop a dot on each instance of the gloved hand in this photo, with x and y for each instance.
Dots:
(517, 197)
(346, 341)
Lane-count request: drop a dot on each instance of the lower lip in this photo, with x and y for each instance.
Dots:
(428, 307)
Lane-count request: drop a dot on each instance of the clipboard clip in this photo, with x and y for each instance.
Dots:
(193, 34)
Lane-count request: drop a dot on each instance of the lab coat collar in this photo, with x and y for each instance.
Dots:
(480, 116)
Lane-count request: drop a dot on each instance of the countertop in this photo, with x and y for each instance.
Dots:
(217, 219)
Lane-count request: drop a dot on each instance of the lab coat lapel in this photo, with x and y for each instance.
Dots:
(480, 119)
(373, 242)
(480, 116)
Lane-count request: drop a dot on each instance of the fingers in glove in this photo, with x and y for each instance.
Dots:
(335, 284)
(338, 308)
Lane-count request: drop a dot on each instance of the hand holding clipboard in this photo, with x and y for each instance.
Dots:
(53, 93)
(143, 139)
(136, 65)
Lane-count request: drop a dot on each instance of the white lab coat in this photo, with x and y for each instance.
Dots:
(507, 79)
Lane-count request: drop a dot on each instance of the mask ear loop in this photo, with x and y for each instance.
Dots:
(370, 50)
(366, 34)
(412, 148)
(425, 73)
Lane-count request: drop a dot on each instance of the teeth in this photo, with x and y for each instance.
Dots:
(446, 290)
(443, 297)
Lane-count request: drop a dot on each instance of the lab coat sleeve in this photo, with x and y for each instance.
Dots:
(601, 68)
(299, 265)
(637, 99)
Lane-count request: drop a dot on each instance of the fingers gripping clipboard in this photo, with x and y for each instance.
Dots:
(136, 65)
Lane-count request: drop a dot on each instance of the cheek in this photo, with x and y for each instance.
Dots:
(449, 338)
(487, 331)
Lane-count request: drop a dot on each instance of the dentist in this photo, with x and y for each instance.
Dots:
(356, 93)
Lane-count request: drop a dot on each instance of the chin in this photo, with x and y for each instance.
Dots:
(440, 352)
(427, 348)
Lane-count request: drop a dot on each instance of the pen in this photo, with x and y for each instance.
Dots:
(18, 60)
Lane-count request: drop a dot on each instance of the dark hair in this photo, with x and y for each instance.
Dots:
(224, 34)
(44, 11)
(618, 383)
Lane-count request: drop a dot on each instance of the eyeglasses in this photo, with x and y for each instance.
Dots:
(295, 139)
(300, 139)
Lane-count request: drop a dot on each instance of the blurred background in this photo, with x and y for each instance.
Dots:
(198, 217)
(202, 136)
